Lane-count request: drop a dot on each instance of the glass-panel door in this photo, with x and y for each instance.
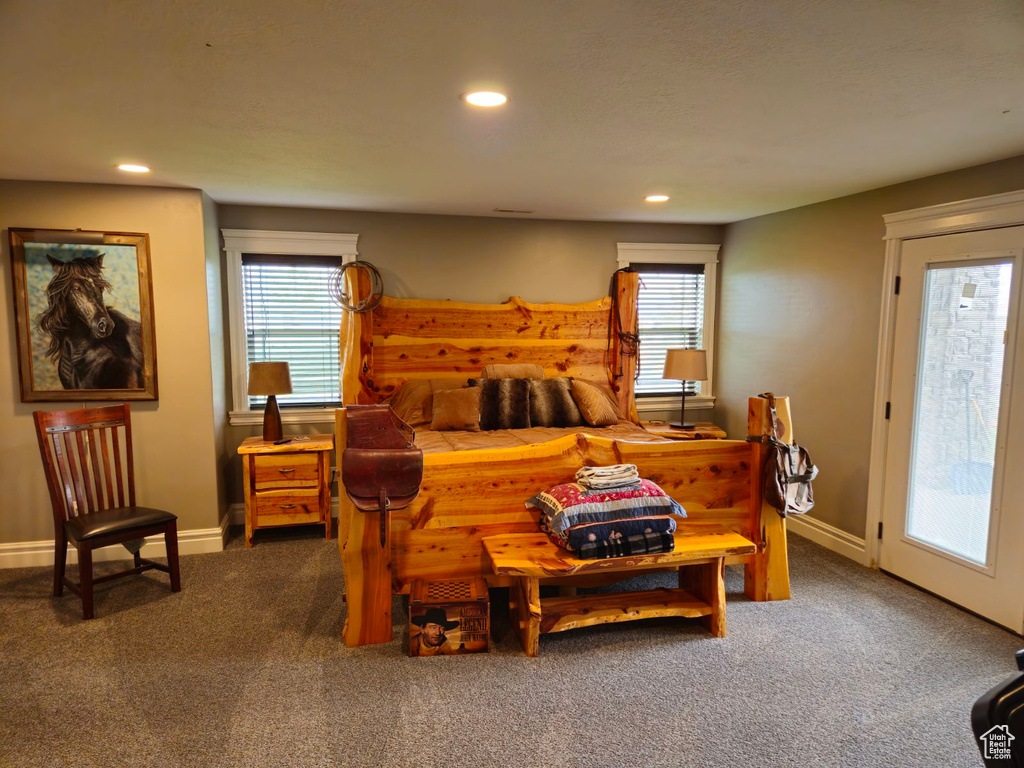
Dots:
(959, 382)
(953, 507)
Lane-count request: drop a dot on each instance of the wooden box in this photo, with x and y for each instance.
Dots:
(449, 617)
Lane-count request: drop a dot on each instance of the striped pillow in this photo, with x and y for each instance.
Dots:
(504, 403)
(551, 404)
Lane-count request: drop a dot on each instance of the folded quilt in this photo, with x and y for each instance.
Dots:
(578, 535)
(614, 476)
(613, 485)
(570, 504)
(611, 470)
(639, 544)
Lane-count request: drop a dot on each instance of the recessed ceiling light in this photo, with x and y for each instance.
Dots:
(656, 199)
(133, 168)
(485, 98)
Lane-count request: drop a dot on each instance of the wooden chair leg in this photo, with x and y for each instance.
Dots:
(171, 542)
(60, 561)
(85, 572)
(138, 559)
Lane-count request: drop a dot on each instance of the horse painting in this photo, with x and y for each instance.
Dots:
(92, 345)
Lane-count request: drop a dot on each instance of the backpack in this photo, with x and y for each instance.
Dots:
(788, 471)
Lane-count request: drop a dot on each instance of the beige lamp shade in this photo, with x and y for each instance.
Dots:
(686, 365)
(269, 379)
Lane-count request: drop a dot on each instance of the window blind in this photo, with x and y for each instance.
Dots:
(670, 314)
(290, 316)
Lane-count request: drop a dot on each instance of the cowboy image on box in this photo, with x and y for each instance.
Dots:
(432, 639)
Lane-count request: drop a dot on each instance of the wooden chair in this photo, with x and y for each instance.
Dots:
(81, 453)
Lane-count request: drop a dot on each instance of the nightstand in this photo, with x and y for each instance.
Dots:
(287, 484)
(702, 430)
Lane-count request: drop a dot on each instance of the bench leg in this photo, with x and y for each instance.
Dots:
(524, 599)
(706, 582)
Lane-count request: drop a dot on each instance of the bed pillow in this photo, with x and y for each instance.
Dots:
(594, 406)
(456, 409)
(551, 404)
(413, 400)
(504, 403)
(570, 504)
(512, 371)
(606, 390)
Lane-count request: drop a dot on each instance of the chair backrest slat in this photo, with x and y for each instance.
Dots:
(101, 433)
(131, 458)
(74, 476)
(117, 469)
(96, 470)
(61, 494)
(82, 475)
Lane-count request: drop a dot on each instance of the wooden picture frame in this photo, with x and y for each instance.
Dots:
(83, 305)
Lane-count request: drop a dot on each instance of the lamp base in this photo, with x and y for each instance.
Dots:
(272, 429)
(684, 425)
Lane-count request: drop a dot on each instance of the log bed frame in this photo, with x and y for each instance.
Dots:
(468, 495)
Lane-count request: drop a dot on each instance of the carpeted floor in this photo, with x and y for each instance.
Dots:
(245, 668)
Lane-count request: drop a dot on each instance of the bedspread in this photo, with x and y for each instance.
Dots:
(444, 442)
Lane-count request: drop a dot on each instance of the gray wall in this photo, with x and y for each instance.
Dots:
(467, 258)
(799, 315)
(174, 437)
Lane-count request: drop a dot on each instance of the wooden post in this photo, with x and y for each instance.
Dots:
(627, 289)
(706, 582)
(767, 575)
(524, 608)
(366, 564)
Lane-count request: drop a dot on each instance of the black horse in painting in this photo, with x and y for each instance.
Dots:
(93, 346)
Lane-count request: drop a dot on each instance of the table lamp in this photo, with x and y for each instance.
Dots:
(270, 379)
(685, 365)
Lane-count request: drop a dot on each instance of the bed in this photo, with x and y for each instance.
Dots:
(475, 485)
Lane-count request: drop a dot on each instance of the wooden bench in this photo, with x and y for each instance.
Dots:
(529, 557)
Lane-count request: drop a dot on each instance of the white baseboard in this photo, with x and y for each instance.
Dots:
(237, 512)
(28, 554)
(828, 536)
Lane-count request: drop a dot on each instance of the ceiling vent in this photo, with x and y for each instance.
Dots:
(511, 210)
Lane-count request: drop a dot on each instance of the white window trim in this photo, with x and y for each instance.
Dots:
(237, 242)
(682, 253)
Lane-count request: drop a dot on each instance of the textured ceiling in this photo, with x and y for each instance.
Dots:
(733, 108)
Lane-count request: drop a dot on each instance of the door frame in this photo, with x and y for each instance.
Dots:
(990, 212)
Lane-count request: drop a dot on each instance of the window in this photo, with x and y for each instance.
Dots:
(290, 316)
(670, 315)
(279, 309)
(675, 309)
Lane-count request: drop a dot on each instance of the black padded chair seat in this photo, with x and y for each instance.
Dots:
(116, 520)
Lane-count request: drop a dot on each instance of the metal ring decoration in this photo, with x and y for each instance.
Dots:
(337, 291)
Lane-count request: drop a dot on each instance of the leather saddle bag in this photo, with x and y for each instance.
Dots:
(381, 466)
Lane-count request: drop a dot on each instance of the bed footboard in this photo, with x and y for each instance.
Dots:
(466, 496)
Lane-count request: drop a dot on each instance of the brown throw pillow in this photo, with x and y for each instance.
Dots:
(504, 403)
(606, 390)
(597, 411)
(551, 404)
(456, 409)
(412, 401)
(513, 371)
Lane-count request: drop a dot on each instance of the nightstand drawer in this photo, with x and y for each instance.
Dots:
(286, 470)
(288, 507)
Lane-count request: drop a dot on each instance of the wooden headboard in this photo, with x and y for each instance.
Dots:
(405, 339)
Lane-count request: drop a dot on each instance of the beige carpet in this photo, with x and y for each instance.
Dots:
(245, 668)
